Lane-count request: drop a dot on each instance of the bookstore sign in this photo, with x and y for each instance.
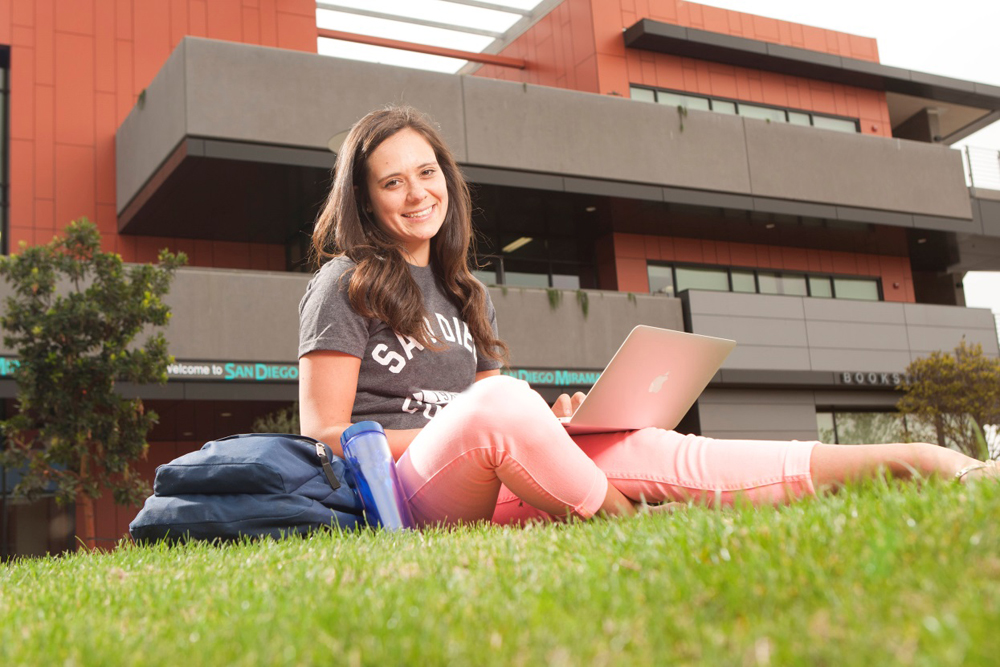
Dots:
(869, 379)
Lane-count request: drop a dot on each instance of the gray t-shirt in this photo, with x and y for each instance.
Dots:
(401, 384)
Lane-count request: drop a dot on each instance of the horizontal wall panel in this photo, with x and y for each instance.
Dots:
(856, 335)
(760, 305)
(769, 357)
(858, 360)
(755, 397)
(931, 315)
(929, 339)
(838, 335)
(753, 331)
(848, 310)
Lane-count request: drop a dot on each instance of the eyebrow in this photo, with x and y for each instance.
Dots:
(396, 173)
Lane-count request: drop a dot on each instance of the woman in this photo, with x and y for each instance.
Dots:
(394, 328)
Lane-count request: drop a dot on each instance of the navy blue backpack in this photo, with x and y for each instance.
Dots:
(254, 485)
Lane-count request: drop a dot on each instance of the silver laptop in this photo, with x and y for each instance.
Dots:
(653, 379)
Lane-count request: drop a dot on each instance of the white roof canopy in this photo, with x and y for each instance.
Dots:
(478, 26)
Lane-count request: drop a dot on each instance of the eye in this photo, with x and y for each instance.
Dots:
(391, 183)
(429, 171)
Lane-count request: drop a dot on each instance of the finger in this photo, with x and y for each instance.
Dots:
(578, 399)
(562, 406)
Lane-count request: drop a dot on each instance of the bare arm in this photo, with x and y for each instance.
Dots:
(485, 374)
(328, 382)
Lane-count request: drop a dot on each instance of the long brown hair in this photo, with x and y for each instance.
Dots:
(381, 285)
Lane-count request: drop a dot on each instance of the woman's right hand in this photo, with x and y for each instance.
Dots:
(566, 405)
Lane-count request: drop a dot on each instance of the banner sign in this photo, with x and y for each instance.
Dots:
(237, 371)
(554, 377)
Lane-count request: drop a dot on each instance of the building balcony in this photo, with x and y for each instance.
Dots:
(233, 142)
(818, 342)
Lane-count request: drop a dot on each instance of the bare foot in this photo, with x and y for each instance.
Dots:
(988, 470)
(662, 507)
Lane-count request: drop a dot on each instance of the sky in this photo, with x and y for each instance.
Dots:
(957, 39)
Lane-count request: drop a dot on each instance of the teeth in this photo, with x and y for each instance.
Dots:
(418, 214)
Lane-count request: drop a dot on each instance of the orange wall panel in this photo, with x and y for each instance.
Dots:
(76, 74)
(589, 27)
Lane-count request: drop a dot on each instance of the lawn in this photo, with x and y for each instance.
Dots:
(880, 574)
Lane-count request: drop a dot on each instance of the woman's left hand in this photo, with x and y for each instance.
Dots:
(565, 405)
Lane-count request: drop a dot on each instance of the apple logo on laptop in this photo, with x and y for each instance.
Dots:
(657, 384)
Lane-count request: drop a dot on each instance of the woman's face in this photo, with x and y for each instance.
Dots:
(408, 193)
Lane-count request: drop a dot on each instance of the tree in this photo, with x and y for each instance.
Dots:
(72, 320)
(954, 396)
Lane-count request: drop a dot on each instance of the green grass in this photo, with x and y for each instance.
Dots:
(883, 574)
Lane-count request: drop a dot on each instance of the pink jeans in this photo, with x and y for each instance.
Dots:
(497, 452)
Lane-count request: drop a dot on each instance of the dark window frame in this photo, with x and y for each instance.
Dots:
(728, 100)
(778, 272)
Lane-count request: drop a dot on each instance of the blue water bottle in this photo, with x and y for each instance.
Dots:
(366, 451)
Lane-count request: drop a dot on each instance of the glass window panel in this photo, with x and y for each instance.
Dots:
(798, 118)
(707, 279)
(675, 100)
(838, 124)
(820, 287)
(793, 285)
(768, 282)
(486, 272)
(856, 288)
(642, 94)
(521, 279)
(743, 281)
(719, 106)
(763, 113)
(824, 425)
(775, 283)
(520, 273)
(661, 279)
(876, 428)
(565, 281)
(486, 277)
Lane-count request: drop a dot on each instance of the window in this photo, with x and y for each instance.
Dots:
(758, 111)
(777, 283)
(661, 279)
(686, 101)
(762, 113)
(819, 286)
(672, 279)
(852, 288)
(697, 278)
(535, 262)
(743, 281)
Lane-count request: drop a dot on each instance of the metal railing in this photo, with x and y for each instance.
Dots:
(982, 167)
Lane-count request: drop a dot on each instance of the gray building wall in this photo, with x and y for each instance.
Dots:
(810, 334)
(286, 98)
(228, 315)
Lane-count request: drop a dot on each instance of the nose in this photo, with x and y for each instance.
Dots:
(416, 192)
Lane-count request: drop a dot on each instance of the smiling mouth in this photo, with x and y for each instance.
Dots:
(419, 214)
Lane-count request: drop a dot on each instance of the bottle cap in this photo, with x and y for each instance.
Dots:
(358, 429)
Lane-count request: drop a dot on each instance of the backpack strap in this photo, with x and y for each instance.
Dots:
(327, 468)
